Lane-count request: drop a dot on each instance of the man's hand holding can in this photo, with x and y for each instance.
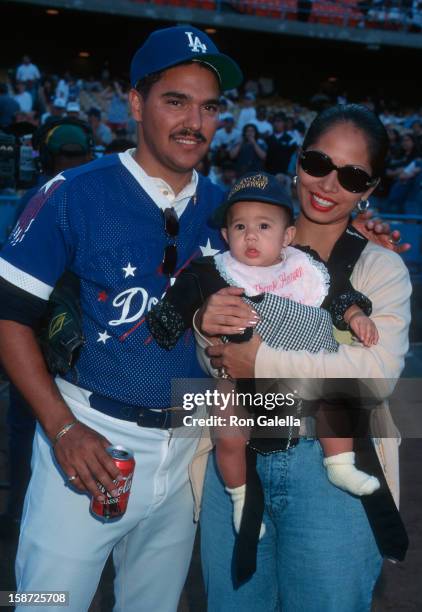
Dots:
(82, 456)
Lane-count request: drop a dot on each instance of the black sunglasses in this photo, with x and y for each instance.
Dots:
(171, 227)
(351, 178)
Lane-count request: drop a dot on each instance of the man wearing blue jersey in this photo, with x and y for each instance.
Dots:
(125, 225)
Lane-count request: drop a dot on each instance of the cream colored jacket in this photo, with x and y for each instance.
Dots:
(382, 276)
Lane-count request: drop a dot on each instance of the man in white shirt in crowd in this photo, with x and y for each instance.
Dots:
(57, 111)
(225, 139)
(281, 146)
(23, 97)
(73, 110)
(227, 136)
(102, 133)
(27, 71)
(248, 112)
(226, 108)
(263, 126)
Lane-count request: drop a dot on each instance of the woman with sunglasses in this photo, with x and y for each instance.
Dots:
(323, 548)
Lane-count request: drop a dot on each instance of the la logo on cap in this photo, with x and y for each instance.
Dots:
(195, 44)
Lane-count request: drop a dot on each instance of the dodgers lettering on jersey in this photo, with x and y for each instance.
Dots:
(98, 221)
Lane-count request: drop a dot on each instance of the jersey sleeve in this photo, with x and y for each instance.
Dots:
(39, 247)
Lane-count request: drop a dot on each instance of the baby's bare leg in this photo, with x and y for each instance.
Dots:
(332, 420)
(339, 456)
(231, 442)
(231, 459)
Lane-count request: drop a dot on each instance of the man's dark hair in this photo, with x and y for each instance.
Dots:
(143, 86)
(279, 117)
(362, 118)
(94, 112)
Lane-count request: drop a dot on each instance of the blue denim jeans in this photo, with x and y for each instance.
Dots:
(318, 553)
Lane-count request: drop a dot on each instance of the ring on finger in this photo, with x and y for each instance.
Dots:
(392, 241)
(222, 373)
(72, 478)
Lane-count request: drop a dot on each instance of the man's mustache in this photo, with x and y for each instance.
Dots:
(196, 135)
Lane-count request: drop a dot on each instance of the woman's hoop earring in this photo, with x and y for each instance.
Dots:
(363, 205)
(294, 180)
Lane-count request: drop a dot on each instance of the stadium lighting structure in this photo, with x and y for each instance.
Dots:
(52, 12)
(210, 30)
(84, 54)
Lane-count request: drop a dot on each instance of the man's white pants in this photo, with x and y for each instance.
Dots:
(63, 548)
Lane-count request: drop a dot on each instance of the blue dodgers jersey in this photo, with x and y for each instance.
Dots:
(98, 221)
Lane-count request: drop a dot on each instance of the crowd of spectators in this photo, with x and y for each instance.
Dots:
(400, 13)
(257, 130)
(393, 15)
(266, 133)
(30, 96)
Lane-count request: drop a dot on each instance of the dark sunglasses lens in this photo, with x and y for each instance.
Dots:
(315, 163)
(169, 260)
(354, 180)
(171, 222)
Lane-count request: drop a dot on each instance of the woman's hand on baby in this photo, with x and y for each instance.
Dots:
(364, 329)
(238, 360)
(379, 232)
(225, 313)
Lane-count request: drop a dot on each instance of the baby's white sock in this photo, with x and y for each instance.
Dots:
(342, 472)
(238, 495)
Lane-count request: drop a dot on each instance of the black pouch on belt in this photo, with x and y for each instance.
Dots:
(60, 334)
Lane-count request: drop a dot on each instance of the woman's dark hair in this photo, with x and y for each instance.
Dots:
(248, 125)
(362, 118)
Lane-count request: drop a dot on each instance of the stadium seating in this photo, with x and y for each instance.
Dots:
(342, 13)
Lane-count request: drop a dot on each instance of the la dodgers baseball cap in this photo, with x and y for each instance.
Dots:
(253, 187)
(169, 47)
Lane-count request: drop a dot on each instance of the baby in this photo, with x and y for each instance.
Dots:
(256, 221)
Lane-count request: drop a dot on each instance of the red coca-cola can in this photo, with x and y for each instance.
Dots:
(113, 508)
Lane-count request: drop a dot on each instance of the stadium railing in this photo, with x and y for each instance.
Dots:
(410, 227)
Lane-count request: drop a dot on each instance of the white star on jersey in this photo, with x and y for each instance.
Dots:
(208, 250)
(58, 177)
(129, 270)
(103, 337)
